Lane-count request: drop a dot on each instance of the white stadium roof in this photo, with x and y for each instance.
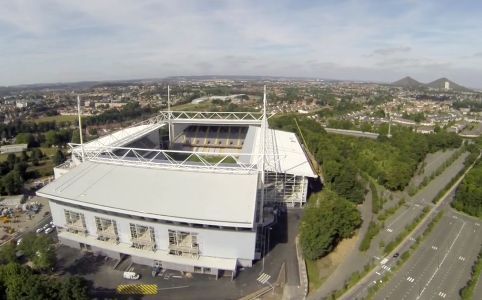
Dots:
(121, 137)
(284, 153)
(174, 195)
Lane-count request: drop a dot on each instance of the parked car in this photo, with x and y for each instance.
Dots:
(49, 230)
(39, 230)
(131, 275)
(19, 241)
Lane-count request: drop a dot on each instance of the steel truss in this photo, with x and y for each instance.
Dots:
(170, 159)
(220, 116)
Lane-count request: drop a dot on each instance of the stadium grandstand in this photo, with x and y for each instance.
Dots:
(188, 191)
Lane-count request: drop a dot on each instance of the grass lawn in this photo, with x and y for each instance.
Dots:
(192, 107)
(45, 150)
(45, 168)
(313, 274)
(58, 118)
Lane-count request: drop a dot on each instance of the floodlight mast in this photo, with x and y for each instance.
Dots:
(80, 129)
(169, 114)
(264, 124)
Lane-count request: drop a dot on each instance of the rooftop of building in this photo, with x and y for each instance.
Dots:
(173, 195)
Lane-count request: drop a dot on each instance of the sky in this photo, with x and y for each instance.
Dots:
(45, 41)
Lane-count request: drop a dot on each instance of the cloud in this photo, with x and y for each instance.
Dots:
(390, 51)
(69, 40)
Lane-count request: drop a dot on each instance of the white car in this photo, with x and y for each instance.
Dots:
(19, 241)
(131, 275)
(39, 230)
(49, 230)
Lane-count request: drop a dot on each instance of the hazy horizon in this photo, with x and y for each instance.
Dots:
(70, 41)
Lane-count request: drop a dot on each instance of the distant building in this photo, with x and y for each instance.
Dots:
(447, 85)
(426, 129)
(13, 148)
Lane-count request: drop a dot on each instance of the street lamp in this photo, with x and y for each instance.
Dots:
(269, 234)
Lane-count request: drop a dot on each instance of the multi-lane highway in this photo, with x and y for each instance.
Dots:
(425, 265)
(441, 265)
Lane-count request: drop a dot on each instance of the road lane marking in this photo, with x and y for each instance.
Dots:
(443, 259)
(434, 247)
(389, 230)
(263, 278)
(461, 258)
(410, 279)
(442, 294)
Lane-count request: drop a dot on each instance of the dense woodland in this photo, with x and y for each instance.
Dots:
(469, 193)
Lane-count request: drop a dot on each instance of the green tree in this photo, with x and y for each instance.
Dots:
(59, 157)
(75, 137)
(74, 288)
(12, 183)
(8, 253)
(327, 219)
(52, 138)
(40, 250)
(24, 156)
(25, 138)
(11, 160)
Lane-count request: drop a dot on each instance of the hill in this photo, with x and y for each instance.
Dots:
(408, 82)
(440, 84)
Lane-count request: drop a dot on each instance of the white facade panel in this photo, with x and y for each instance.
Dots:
(212, 242)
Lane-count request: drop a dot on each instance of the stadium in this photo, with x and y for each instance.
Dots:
(187, 191)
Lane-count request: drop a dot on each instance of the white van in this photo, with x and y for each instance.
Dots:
(49, 230)
(131, 275)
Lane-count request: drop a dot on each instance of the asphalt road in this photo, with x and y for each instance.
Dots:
(359, 291)
(441, 265)
(406, 214)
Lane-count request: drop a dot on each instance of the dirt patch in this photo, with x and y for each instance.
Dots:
(328, 264)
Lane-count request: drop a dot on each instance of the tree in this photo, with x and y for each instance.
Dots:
(12, 183)
(24, 156)
(40, 250)
(25, 138)
(36, 156)
(74, 288)
(59, 157)
(51, 138)
(11, 160)
(327, 219)
(8, 253)
(75, 137)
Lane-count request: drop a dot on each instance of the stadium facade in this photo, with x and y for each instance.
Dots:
(197, 199)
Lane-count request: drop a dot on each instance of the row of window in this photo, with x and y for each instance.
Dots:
(195, 225)
(142, 237)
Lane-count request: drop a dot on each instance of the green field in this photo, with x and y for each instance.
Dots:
(46, 151)
(58, 118)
